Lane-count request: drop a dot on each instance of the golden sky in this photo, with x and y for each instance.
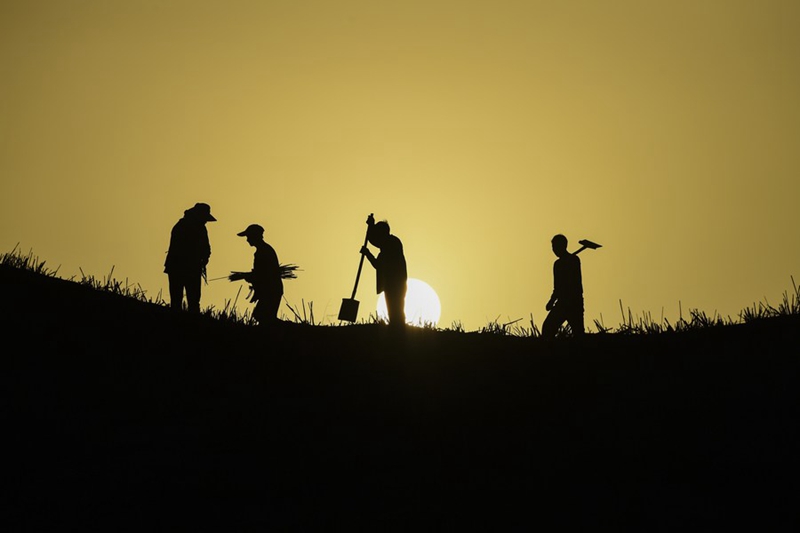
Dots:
(667, 131)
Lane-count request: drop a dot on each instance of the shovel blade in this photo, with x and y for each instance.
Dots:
(589, 244)
(349, 310)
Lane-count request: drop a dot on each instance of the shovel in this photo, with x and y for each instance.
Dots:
(586, 244)
(349, 309)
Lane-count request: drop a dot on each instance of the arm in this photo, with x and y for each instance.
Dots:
(236, 276)
(205, 247)
(366, 253)
(364, 250)
(553, 297)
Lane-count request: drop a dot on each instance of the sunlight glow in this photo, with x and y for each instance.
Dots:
(423, 307)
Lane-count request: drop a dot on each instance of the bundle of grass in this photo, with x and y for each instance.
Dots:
(287, 272)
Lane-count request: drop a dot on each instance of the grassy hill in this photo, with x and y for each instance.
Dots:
(119, 413)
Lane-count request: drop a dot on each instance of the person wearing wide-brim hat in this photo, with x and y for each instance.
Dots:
(187, 257)
(265, 279)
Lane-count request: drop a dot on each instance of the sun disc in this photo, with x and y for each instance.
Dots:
(422, 307)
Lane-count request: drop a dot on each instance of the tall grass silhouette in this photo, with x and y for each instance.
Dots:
(630, 324)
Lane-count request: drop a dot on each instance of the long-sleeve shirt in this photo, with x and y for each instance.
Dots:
(391, 273)
(189, 247)
(266, 275)
(567, 280)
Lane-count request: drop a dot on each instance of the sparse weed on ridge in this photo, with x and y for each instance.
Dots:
(304, 314)
(789, 306)
(30, 262)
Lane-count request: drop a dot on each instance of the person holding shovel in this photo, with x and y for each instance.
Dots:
(187, 257)
(265, 279)
(566, 301)
(391, 274)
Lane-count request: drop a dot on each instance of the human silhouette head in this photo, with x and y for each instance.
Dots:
(559, 243)
(200, 212)
(254, 234)
(378, 233)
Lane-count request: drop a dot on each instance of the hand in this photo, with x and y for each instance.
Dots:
(370, 220)
(236, 276)
(364, 250)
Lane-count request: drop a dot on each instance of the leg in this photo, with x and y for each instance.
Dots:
(552, 322)
(266, 309)
(575, 322)
(575, 319)
(395, 307)
(259, 313)
(176, 286)
(274, 304)
(193, 284)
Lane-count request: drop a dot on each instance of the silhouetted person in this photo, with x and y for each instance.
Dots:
(391, 275)
(265, 279)
(187, 257)
(566, 302)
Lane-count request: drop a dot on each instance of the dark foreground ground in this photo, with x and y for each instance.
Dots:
(121, 415)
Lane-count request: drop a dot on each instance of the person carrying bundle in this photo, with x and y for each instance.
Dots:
(265, 279)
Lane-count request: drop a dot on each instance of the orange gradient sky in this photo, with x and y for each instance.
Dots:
(668, 132)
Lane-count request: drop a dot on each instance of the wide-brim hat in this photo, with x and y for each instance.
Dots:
(202, 211)
(253, 230)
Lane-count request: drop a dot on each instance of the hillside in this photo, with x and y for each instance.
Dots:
(123, 414)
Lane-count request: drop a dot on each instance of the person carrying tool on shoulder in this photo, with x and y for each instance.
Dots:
(391, 274)
(566, 301)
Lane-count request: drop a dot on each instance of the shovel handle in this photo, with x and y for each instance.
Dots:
(360, 263)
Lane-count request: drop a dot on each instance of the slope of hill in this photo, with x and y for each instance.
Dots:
(122, 414)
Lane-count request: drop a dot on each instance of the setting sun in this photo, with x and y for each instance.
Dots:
(422, 304)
